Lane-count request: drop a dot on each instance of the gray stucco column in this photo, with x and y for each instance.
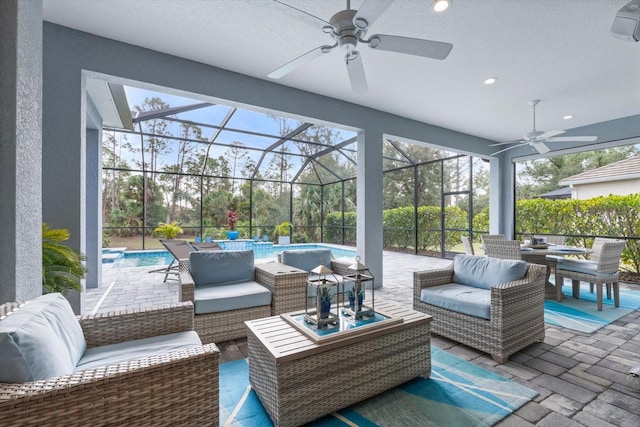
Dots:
(94, 208)
(502, 197)
(369, 200)
(20, 149)
(64, 201)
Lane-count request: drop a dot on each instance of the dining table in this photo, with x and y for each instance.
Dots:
(538, 255)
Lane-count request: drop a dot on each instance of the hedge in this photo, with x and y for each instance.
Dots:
(609, 216)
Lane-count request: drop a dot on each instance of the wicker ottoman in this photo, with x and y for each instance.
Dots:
(298, 380)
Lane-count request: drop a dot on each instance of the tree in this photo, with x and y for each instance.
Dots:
(113, 179)
(238, 155)
(540, 176)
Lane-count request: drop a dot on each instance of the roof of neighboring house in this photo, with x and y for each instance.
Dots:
(560, 193)
(622, 170)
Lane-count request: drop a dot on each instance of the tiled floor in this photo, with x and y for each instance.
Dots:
(581, 378)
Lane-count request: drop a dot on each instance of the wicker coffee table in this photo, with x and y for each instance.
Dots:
(299, 380)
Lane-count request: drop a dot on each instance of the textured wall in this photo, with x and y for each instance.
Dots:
(20, 149)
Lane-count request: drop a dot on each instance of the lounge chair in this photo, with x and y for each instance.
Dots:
(133, 367)
(206, 246)
(493, 305)
(180, 249)
(227, 288)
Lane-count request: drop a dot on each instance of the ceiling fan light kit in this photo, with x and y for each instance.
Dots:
(537, 138)
(348, 28)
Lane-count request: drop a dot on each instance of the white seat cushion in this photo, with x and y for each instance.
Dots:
(113, 354)
(218, 298)
(459, 298)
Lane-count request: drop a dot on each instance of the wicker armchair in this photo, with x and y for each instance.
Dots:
(338, 266)
(176, 388)
(516, 313)
(287, 294)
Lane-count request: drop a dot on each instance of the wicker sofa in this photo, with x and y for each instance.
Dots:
(504, 314)
(233, 289)
(163, 387)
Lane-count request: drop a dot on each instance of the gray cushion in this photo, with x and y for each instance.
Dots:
(582, 266)
(459, 298)
(40, 340)
(484, 272)
(307, 259)
(113, 354)
(217, 298)
(221, 267)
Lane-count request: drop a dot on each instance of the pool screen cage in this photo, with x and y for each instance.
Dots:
(193, 162)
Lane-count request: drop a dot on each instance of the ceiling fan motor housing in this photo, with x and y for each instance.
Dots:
(345, 32)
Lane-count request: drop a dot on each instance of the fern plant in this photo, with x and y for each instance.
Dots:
(62, 267)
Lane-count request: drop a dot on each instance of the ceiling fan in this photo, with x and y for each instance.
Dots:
(537, 138)
(348, 28)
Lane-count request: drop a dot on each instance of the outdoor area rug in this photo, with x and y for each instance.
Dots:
(582, 314)
(458, 393)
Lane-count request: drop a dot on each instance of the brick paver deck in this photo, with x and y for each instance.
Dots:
(581, 378)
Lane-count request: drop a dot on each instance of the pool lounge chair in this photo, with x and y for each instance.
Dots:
(206, 246)
(180, 249)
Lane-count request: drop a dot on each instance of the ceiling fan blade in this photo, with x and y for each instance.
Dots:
(369, 12)
(540, 146)
(509, 148)
(549, 134)
(410, 46)
(356, 72)
(504, 143)
(573, 138)
(299, 61)
(299, 14)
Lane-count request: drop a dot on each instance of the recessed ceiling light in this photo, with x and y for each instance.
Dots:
(440, 5)
(490, 80)
(567, 117)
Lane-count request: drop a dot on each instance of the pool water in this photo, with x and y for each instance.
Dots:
(125, 259)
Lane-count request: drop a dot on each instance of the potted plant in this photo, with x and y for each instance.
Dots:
(352, 299)
(169, 231)
(62, 266)
(283, 231)
(325, 302)
(232, 220)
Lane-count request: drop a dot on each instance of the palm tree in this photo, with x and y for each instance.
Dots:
(62, 266)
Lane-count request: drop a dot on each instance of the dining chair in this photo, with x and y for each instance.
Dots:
(553, 239)
(505, 249)
(606, 271)
(485, 237)
(595, 257)
(468, 246)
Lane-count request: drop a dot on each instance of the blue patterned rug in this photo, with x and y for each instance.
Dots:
(582, 314)
(458, 393)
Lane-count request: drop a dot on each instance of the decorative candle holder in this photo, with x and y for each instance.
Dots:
(322, 280)
(357, 278)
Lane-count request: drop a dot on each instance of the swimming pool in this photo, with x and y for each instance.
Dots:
(125, 259)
